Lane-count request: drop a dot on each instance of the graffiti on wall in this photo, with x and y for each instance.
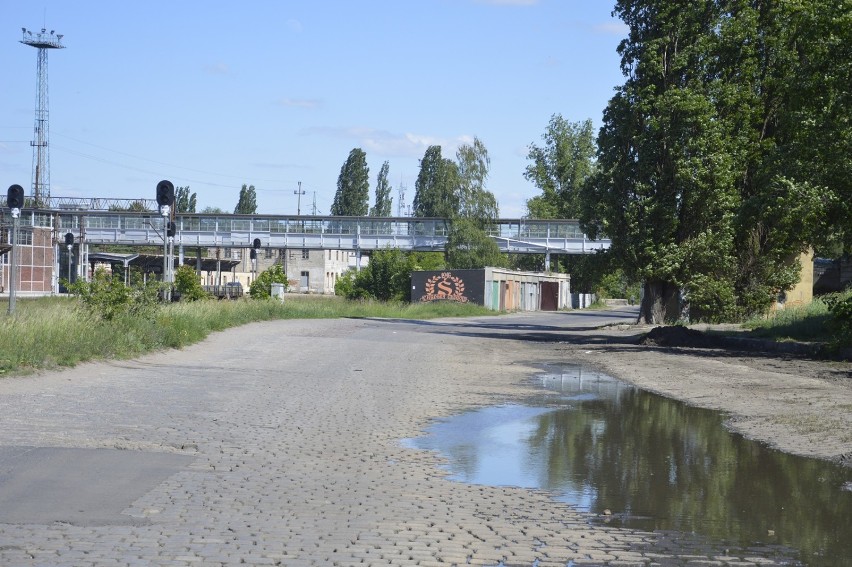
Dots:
(461, 286)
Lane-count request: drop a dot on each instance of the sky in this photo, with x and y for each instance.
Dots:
(213, 94)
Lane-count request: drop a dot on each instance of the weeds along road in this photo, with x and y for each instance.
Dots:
(279, 443)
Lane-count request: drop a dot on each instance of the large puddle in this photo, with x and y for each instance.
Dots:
(640, 460)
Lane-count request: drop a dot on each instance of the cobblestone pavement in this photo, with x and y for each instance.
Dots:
(294, 431)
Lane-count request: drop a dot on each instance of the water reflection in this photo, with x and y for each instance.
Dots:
(655, 464)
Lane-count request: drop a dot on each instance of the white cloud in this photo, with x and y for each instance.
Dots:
(393, 144)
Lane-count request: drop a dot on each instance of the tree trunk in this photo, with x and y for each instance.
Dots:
(659, 303)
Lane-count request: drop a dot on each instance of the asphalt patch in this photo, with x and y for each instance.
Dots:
(85, 487)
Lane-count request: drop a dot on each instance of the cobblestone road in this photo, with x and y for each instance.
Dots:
(292, 431)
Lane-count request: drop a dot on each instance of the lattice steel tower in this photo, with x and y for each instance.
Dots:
(41, 157)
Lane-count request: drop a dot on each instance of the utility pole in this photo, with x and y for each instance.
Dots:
(299, 192)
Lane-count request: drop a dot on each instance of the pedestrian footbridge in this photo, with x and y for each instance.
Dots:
(518, 236)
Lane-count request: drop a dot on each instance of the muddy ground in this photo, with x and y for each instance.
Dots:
(796, 403)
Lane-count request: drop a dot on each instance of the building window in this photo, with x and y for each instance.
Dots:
(306, 254)
(25, 237)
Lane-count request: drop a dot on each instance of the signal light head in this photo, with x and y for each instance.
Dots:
(165, 193)
(15, 197)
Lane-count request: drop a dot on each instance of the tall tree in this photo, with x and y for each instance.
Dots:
(384, 201)
(821, 121)
(712, 176)
(247, 203)
(468, 244)
(664, 192)
(185, 202)
(475, 201)
(560, 167)
(436, 188)
(765, 55)
(353, 186)
(469, 247)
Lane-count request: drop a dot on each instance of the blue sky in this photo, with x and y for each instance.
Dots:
(214, 94)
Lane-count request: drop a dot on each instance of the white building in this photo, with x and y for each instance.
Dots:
(308, 271)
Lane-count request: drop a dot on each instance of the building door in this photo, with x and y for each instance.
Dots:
(304, 281)
(549, 296)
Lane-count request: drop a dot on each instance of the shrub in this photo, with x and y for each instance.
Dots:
(348, 286)
(261, 287)
(388, 275)
(107, 297)
(188, 284)
(387, 278)
(840, 320)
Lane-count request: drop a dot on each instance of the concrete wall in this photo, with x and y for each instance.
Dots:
(803, 292)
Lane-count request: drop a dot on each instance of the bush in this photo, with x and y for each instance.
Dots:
(107, 297)
(386, 278)
(614, 284)
(388, 275)
(261, 287)
(188, 284)
(348, 286)
(840, 320)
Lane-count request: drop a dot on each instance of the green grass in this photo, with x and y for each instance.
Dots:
(801, 323)
(53, 332)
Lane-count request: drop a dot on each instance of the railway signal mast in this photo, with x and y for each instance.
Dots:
(41, 160)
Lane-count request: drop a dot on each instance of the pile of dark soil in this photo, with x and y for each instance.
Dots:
(678, 336)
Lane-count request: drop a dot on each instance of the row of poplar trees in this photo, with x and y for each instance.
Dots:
(726, 153)
(448, 189)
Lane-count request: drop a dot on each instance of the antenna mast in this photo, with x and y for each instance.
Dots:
(400, 204)
(41, 158)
